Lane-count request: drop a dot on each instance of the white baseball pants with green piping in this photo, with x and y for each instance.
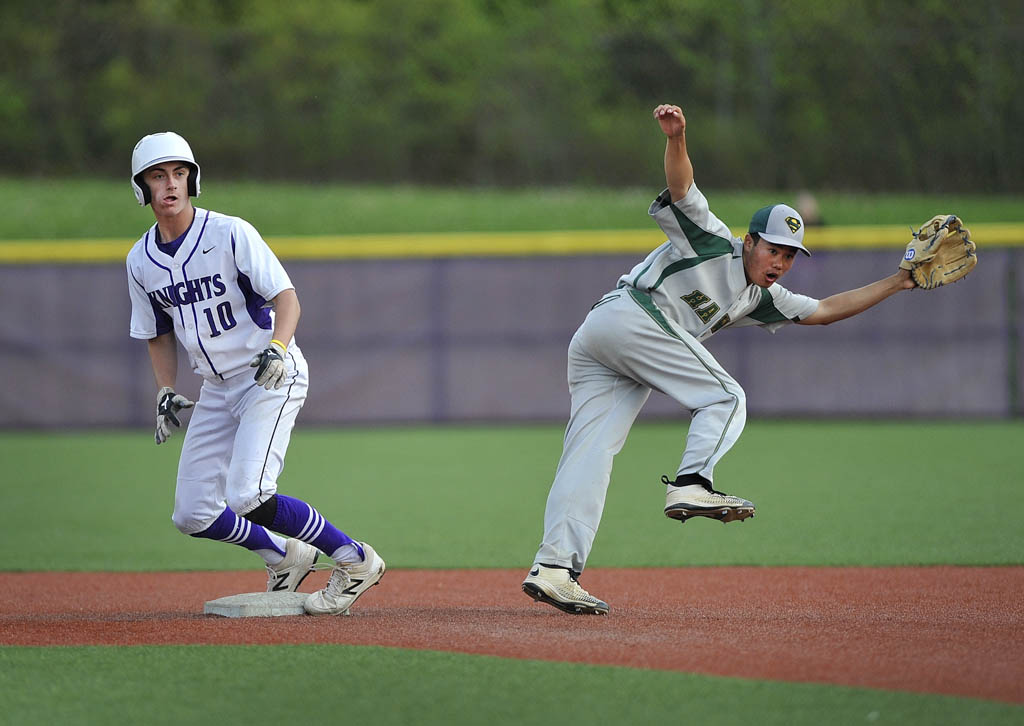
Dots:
(625, 348)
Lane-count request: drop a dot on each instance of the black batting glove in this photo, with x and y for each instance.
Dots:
(168, 403)
(270, 368)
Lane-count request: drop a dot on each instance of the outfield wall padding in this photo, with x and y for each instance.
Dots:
(474, 338)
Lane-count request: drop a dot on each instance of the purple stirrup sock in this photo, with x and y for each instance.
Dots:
(231, 528)
(297, 519)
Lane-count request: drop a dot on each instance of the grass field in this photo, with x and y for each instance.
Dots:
(384, 687)
(55, 209)
(828, 493)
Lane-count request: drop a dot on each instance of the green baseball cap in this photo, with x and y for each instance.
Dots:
(779, 224)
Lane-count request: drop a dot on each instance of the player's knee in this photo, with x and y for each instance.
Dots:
(740, 414)
(247, 498)
(735, 401)
(188, 522)
(741, 400)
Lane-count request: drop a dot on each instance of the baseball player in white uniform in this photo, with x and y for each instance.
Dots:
(210, 282)
(646, 334)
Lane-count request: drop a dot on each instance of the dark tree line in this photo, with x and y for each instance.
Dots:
(866, 94)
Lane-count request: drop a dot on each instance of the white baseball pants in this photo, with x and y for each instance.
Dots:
(235, 445)
(624, 349)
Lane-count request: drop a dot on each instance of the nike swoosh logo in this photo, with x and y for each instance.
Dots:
(207, 250)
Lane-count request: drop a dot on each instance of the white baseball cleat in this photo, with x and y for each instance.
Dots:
(697, 500)
(298, 561)
(348, 581)
(558, 587)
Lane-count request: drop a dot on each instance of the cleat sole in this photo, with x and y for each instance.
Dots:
(729, 514)
(572, 608)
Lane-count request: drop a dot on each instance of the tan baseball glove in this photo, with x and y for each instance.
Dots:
(941, 252)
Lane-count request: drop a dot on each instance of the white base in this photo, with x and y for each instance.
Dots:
(257, 605)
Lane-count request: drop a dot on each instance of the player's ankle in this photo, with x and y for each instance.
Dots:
(685, 480)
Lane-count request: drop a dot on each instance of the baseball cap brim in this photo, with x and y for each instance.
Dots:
(784, 242)
(779, 224)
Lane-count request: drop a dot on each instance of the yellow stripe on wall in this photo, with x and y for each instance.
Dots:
(490, 244)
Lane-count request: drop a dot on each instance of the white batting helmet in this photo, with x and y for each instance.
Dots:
(156, 149)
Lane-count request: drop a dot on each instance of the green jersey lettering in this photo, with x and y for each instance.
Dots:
(699, 302)
(695, 299)
(720, 324)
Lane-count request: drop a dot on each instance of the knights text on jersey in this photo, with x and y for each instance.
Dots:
(212, 292)
(697, 279)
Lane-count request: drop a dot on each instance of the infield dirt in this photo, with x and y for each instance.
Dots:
(948, 630)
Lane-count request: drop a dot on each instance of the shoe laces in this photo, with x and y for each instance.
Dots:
(339, 582)
(272, 577)
(575, 589)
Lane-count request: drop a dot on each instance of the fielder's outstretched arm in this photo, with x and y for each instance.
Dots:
(847, 304)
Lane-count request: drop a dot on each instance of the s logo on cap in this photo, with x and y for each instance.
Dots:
(793, 223)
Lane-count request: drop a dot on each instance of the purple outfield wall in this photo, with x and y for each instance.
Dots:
(484, 339)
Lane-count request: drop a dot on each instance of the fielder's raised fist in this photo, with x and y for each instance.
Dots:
(671, 119)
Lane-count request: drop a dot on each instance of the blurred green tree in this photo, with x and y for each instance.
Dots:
(918, 95)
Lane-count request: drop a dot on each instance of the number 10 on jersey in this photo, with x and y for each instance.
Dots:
(224, 316)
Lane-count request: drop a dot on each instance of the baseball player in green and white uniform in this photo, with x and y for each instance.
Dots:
(647, 334)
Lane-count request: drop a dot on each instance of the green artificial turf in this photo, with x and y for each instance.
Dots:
(827, 493)
(383, 686)
(72, 209)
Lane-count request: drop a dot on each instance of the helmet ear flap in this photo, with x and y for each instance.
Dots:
(142, 192)
(193, 181)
